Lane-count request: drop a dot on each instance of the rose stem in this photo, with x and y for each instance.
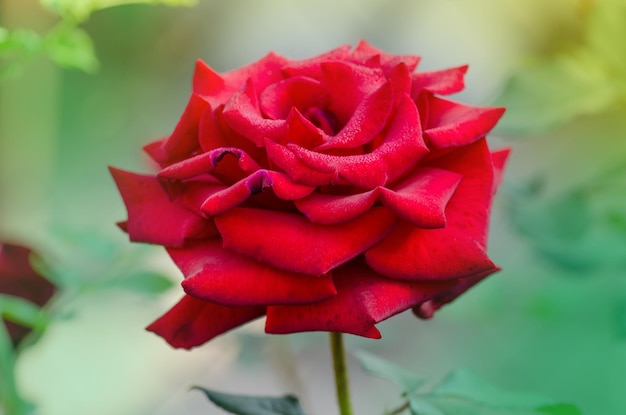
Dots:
(341, 373)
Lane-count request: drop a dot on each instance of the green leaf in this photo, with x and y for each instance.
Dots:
(253, 405)
(560, 409)
(406, 380)
(21, 311)
(550, 92)
(71, 47)
(145, 282)
(80, 10)
(464, 384)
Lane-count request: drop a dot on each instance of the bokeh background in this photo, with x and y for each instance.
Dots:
(553, 322)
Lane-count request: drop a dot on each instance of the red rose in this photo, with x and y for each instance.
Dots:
(327, 194)
(19, 279)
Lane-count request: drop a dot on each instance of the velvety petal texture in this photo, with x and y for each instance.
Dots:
(327, 194)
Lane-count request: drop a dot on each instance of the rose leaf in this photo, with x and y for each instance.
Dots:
(254, 405)
(406, 380)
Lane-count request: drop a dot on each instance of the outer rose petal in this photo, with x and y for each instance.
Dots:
(444, 82)
(183, 142)
(421, 198)
(364, 52)
(241, 191)
(298, 245)
(363, 299)
(499, 159)
(193, 322)
(458, 249)
(217, 88)
(451, 124)
(428, 308)
(224, 277)
(153, 217)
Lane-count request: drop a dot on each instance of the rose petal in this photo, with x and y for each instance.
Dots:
(192, 322)
(401, 149)
(428, 308)
(311, 67)
(499, 159)
(300, 92)
(302, 132)
(183, 142)
(241, 191)
(297, 245)
(367, 121)
(217, 88)
(421, 198)
(285, 159)
(330, 209)
(451, 124)
(363, 299)
(242, 113)
(230, 171)
(457, 250)
(224, 277)
(153, 217)
(443, 82)
(364, 51)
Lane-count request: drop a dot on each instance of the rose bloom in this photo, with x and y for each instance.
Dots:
(19, 279)
(327, 194)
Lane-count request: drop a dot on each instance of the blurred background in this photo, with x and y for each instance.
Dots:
(553, 322)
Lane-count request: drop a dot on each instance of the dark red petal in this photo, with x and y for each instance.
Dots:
(457, 250)
(302, 131)
(451, 124)
(366, 122)
(428, 308)
(242, 113)
(421, 198)
(290, 242)
(499, 159)
(363, 299)
(206, 163)
(329, 209)
(311, 67)
(444, 82)
(348, 85)
(364, 51)
(152, 216)
(192, 322)
(241, 191)
(298, 171)
(300, 92)
(183, 142)
(217, 88)
(224, 277)
(400, 150)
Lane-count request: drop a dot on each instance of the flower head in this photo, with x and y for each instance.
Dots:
(327, 194)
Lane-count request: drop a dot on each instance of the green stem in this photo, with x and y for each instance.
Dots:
(341, 373)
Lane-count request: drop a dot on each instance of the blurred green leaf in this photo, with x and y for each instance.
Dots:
(588, 77)
(549, 92)
(253, 405)
(145, 282)
(560, 409)
(21, 311)
(406, 380)
(466, 385)
(10, 399)
(71, 47)
(16, 48)
(80, 10)
(464, 393)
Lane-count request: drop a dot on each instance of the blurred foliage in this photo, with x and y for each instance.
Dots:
(254, 405)
(581, 227)
(65, 43)
(586, 77)
(461, 392)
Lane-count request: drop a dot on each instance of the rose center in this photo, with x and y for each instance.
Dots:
(322, 119)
